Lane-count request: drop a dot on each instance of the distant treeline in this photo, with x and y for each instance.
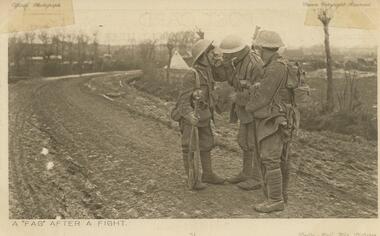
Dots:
(355, 60)
(34, 54)
(44, 53)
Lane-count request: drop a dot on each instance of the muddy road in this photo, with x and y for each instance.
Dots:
(96, 147)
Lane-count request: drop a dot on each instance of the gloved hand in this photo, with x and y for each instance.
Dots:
(254, 88)
(192, 118)
(242, 97)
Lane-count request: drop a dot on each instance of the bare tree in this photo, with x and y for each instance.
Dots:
(325, 16)
(29, 39)
(55, 43)
(12, 49)
(95, 45)
(185, 39)
(70, 44)
(200, 33)
(348, 96)
(45, 38)
(78, 40)
(147, 55)
(85, 40)
(16, 50)
(147, 50)
(60, 37)
(170, 47)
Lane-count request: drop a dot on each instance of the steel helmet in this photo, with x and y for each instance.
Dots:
(268, 39)
(199, 48)
(231, 44)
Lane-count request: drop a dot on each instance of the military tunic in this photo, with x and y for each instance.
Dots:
(248, 70)
(268, 105)
(206, 106)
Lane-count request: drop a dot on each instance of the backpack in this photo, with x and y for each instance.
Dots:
(295, 83)
(175, 113)
(299, 93)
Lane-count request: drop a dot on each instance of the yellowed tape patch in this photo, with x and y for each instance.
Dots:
(28, 15)
(360, 14)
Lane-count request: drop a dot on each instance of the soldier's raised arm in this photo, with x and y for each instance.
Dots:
(253, 73)
(256, 72)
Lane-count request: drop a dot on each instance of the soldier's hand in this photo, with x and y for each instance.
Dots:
(192, 118)
(244, 83)
(197, 94)
(232, 97)
(256, 85)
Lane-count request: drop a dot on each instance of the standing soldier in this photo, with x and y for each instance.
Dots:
(242, 68)
(272, 106)
(198, 84)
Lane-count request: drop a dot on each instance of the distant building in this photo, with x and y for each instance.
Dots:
(177, 62)
(107, 56)
(36, 58)
(55, 57)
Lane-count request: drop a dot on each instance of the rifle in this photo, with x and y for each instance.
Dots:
(257, 29)
(259, 161)
(285, 164)
(194, 156)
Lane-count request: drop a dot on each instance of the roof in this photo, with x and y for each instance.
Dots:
(36, 58)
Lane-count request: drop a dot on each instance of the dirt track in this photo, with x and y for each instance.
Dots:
(119, 157)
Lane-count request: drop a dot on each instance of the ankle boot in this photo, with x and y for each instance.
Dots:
(185, 156)
(208, 176)
(199, 186)
(254, 182)
(275, 201)
(247, 169)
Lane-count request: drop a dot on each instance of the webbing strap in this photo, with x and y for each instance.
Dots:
(197, 80)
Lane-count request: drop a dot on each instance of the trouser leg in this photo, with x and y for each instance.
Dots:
(253, 181)
(242, 139)
(270, 150)
(208, 176)
(250, 166)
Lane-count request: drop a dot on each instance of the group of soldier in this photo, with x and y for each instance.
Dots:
(260, 103)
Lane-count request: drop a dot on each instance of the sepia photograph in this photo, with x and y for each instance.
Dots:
(191, 109)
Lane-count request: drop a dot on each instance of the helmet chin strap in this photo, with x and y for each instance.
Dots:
(266, 55)
(203, 61)
(208, 60)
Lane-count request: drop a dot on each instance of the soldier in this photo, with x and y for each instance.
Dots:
(242, 68)
(271, 105)
(199, 82)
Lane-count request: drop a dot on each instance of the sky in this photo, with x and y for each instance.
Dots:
(140, 19)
